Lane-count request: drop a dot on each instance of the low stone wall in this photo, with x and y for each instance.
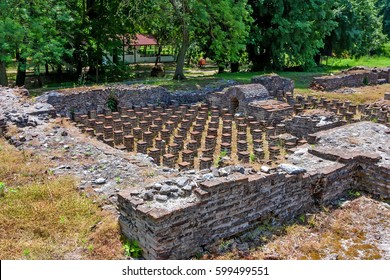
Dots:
(271, 111)
(302, 126)
(225, 206)
(83, 100)
(375, 179)
(274, 84)
(355, 77)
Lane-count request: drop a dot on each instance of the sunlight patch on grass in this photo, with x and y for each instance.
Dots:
(44, 217)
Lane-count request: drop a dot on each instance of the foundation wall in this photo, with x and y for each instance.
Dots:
(228, 207)
(375, 180)
(354, 78)
(303, 126)
(96, 99)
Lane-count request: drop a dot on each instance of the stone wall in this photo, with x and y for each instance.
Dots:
(83, 100)
(274, 84)
(302, 126)
(237, 98)
(272, 111)
(355, 77)
(227, 207)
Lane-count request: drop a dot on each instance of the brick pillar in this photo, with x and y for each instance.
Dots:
(188, 156)
(169, 160)
(155, 154)
(118, 137)
(257, 134)
(205, 163)
(226, 147)
(148, 138)
(108, 121)
(92, 114)
(108, 132)
(259, 153)
(128, 142)
(241, 136)
(126, 129)
(226, 138)
(142, 147)
(137, 133)
(144, 125)
(174, 150)
(242, 146)
(161, 145)
(257, 144)
(211, 141)
(243, 156)
(117, 125)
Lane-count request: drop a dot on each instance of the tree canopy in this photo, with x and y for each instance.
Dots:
(275, 34)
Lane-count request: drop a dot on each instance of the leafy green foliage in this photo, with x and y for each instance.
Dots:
(288, 33)
(132, 249)
(358, 30)
(112, 102)
(384, 6)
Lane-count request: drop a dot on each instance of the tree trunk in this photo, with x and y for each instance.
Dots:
(97, 74)
(179, 72)
(221, 69)
(59, 69)
(158, 57)
(3, 74)
(47, 69)
(115, 56)
(234, 67)
(317, 59)
(21, 74)
(260, 61)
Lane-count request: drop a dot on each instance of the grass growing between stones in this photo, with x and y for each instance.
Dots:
(43, 216)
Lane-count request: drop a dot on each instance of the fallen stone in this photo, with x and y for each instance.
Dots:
(181, 182)
(100, 181)
(148, 195)
(208, 176)
(166, 189)
(161, 198)
(265, 169)
(292, 169)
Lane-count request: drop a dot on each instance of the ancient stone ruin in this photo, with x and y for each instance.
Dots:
(233, 158)
(354, 77)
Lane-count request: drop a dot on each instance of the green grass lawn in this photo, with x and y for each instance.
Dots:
(369, 61)
(198, 78)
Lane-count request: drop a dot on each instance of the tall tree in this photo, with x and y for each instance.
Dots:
(155, 21)
(358, 31)
(384, 6)
(288, 33)
(32, 35)
(223, 22)
(224, 30)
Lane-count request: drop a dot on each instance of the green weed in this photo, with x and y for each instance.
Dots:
(132, 249)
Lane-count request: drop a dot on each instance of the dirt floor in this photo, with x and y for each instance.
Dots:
(358, 229)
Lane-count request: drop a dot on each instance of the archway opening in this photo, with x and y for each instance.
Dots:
(234, 103)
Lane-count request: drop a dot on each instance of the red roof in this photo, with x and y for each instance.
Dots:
(143, 40)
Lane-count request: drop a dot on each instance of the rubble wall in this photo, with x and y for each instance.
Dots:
(84, 100)
(352, 78)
